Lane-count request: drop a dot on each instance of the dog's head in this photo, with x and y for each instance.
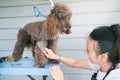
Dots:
(59, 19)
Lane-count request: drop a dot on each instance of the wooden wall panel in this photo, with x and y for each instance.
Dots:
(87, 15)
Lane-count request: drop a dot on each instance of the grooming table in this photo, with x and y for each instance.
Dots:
(25, 66)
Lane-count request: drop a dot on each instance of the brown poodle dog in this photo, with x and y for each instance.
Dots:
(44, 33)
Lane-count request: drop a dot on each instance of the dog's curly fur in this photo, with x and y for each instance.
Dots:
(58, 21)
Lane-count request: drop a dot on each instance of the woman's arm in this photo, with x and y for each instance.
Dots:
(75, 63)
(67, 61)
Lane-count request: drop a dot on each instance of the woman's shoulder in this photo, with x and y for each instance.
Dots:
(115, 71)
(114, 75)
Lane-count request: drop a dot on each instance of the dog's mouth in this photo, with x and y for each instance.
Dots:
(63, 27)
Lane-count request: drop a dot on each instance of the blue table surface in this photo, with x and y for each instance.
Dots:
(25, 66)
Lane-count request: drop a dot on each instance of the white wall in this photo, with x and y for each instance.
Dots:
(87, 14)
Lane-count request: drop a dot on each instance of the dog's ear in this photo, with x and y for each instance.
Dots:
(51, 24)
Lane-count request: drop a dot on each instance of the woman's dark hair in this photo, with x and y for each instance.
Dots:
(108, 38)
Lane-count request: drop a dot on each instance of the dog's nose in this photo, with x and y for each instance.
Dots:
(69, 26)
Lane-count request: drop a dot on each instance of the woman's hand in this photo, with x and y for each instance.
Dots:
(49, 54)
(56, 73)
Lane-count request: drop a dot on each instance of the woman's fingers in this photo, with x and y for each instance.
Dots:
(49, 51)
(44, 52)
(55, 69)
(50, 54)
(56, 73)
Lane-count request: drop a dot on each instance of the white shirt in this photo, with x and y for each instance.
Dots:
(113, 75)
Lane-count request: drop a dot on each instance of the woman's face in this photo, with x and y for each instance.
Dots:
(92, 50)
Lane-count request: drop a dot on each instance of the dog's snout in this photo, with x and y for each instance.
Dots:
(69, 26)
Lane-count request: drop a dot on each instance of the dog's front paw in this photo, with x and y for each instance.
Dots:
(41, 65)
(53, 61)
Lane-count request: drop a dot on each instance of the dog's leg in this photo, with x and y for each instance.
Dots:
(40, 58)
(18, 50)
(22, 40)
(52, 44)
(33, 47)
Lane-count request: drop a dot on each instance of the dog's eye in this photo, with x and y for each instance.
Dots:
(59, 18)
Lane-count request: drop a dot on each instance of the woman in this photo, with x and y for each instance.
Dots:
(102, 48)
